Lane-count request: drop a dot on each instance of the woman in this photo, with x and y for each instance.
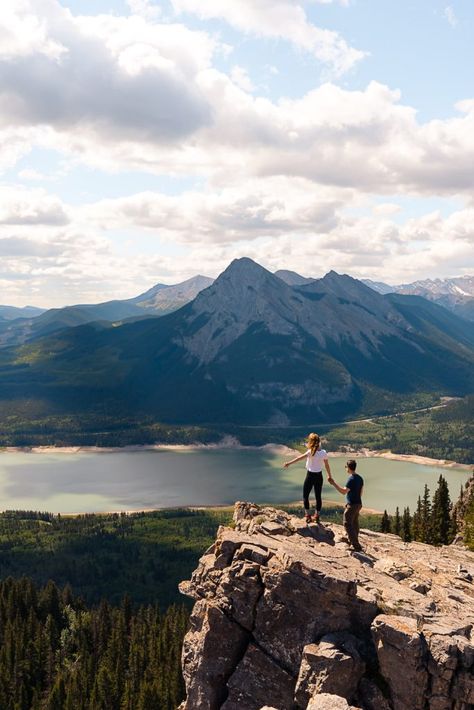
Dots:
(315, 456)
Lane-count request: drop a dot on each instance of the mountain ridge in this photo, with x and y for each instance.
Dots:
(456, 294)
(251, 349)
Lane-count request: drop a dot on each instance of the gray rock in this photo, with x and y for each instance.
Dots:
(331, 666)
(249, 686)
(211, 650)
(266, 603)
(420, 587)
(328, 701)
(396, 569)
(402, 655)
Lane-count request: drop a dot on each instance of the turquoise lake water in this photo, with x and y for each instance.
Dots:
(136, 480)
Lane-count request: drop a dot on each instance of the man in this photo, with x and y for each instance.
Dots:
(353, 493)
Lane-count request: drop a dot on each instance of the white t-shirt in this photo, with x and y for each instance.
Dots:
(315, 463)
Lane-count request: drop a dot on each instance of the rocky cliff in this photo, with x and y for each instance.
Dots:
(287, 617)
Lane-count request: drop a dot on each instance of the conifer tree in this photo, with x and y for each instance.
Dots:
(441, 515)
(417, 521)
(57, 697)
(397, 524)
(425, 522)
(406, 526)
(385, 525)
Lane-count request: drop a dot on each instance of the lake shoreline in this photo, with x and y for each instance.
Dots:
(231, 442)
(223, 507)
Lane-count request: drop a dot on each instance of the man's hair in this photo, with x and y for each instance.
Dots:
(352, 465)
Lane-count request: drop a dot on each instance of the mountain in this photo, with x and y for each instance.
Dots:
(12, 312)
(157, 301)
(165, 299)
(456, 294)
(251, 349)
(379, 286)
(292, 278)
(460, 287)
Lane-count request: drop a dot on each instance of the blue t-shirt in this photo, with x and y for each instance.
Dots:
(354, 484)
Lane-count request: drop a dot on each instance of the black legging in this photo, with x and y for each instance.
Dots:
(313, 478)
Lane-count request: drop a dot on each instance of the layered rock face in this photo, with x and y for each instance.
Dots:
(287, 617)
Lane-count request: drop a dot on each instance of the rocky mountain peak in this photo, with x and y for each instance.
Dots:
(344, 282)
(244, 269)
(286, 617)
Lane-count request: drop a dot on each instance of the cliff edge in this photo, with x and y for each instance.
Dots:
(287, 617)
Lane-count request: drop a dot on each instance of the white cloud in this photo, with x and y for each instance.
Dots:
(144, 8)
(35, 175)
(450, 15)
(130, 93)
(25, 33)
(19, 206)
(282, 19)
(120, 79)
(258, 208)
(14, 144)
(386, 209)
(344, 3)
(240, 76)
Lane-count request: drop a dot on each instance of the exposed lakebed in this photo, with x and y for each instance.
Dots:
(138, 480)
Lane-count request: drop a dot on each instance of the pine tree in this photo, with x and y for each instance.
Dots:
(406, 526)
(397, 524)
(57, 696)
(425, 522)
(417, 521)
(441, 515)
(385, 525)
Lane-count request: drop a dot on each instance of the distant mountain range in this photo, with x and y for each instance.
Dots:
(157, 301)
(251, 349)
(21, 325)
(456, 294)
(11, 312)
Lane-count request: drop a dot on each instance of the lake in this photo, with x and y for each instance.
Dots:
(136, 480)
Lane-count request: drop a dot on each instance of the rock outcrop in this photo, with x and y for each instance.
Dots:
(287, 617)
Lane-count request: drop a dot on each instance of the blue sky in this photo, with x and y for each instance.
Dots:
(146, 142)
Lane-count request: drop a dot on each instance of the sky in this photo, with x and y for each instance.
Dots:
(145, 142)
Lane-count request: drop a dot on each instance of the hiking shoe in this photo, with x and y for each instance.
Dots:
(308, 518)
(316, 518)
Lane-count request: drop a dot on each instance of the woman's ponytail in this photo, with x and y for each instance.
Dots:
(313, 443)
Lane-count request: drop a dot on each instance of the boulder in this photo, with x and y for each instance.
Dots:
(402, 655)
(249, 687)
(333, 666)
(328, 701)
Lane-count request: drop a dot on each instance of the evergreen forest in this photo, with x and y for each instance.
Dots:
(58, 654)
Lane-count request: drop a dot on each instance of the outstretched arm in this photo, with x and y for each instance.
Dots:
(328, 469)
(298, 458)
